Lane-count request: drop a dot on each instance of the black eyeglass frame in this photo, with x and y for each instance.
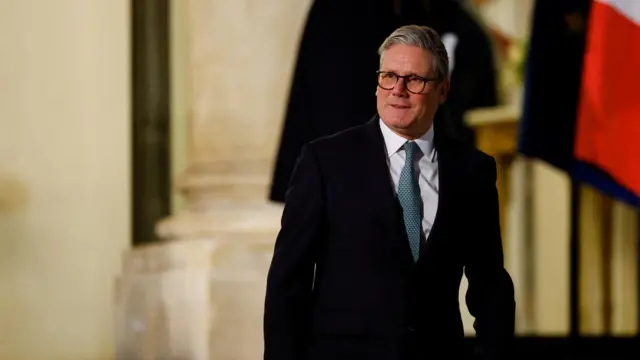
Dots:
(404, 78)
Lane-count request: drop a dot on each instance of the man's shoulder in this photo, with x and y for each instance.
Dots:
(340, 140)
(477, 156)
(473, 160)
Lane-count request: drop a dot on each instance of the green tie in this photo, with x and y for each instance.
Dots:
(409, 197)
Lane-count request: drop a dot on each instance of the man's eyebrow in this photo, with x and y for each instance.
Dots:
(409, 74)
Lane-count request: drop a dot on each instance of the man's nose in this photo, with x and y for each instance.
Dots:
(400, 89)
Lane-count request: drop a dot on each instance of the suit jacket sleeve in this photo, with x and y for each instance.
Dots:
(290, 277)
(490, 296)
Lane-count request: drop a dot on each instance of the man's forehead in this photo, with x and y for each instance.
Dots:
(411, 56)
(407, 66)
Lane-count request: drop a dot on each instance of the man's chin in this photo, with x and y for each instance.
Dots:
(401, 122)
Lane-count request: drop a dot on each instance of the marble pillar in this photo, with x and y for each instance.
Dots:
(198, 294)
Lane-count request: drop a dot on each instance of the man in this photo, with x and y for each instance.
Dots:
(368, 262)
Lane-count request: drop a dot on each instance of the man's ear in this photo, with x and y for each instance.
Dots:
(444, 91)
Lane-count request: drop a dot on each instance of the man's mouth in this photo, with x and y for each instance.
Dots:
(397, 106)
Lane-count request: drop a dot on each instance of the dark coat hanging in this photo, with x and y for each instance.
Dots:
(334, 81)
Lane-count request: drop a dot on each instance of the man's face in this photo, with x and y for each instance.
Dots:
(410, 114)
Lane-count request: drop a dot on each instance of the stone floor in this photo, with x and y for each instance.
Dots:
(600, 348)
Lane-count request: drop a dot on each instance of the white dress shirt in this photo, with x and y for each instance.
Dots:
(426, 170)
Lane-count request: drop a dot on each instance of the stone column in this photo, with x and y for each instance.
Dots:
(199, 293)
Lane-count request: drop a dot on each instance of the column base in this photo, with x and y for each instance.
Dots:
(198, 295)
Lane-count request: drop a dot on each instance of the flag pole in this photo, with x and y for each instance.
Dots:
(574, 261)
(638, 271)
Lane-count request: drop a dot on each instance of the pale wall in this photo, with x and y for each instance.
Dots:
(509, 16)
(180, 95)
(551, 232)
(64, 175)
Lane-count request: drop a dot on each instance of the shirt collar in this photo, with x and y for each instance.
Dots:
(394, 142)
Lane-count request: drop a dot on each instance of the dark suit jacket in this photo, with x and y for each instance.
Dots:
(342, 282)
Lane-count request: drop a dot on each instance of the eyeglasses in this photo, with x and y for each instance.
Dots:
(413, 83)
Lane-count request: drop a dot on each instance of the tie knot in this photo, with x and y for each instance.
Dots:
(410, 147)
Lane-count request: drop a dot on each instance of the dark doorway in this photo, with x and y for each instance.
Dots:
(150, 74)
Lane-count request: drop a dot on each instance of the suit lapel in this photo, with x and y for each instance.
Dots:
(379, 179)
(375, 159)
(448, 177)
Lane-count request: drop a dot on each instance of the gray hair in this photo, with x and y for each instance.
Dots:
(423, 37)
